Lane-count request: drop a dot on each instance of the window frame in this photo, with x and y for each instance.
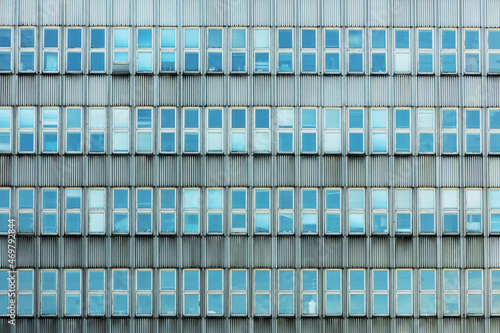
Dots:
(26, 210)
(473, 131)
(31, 49)
(332, 211)
(450, 210)
(69, 50)
(285, 130)
(445, 131)
(490, 51)
(379, 131)
(167, 210)
(402, 292)
(97, 130)
(288, 211)
(99, 210)
(285, 292)
(380, 292)
(403, 130)
(5, 210)
(492, 131)
(167, 130)
(195, 292)
(27, 130)
(144, 130)
(120, 292)
(97, 50)
(72, 292)
(190, 130)
(237, 130)
(472, 292)
(353, 292)
(51, 49)
(262, 211)
(431, 292)
(332, 50)
(262, 292)
(308, 50)
(143, 292)
(219, 211)
(356, 211)
(425, 50)
(26, 292)
(471, 51)
(402, 51)
(424, 210)
(262, 50)
(494, 210)
(149, 50)
(451, 292)
(332, 131)
(445, 51)
(7, 130)
(52, 211)
(332, 292)
(121, 49)
(215, 49)
(214, 292)
(426, 130)
(235, 50)
(494, 292)
(120, 211)
(285, 50)
(238, 292)
(73, 130)
(168, 49)
(309, 211)
(377, 50)
(239, 211)
(356, 130)
(355, 50)
(121, 130)
(167, 292)
(309, 130)
(185, 211)
(46, 129)
(262, 130)
(380, 211)
(146, 211)
(96, 292)
(314, 293)
(9, 49)
(48, 292)
(406, 211)
(474, 211)
(214, 130)
(78, 211)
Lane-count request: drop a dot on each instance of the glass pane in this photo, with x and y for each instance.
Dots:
(261, 38)
(238, 38)
(285, 38)
(191, 38)
(355, 39)
(121, 37)
(378, 39)
(332, 39)
(472, 39)
(168, 37)
(144, 38)
(402, 37)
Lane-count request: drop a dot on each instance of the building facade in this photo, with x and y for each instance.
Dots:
(250, 166)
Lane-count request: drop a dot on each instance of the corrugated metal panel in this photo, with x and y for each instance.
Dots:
(120, 170)
(73, 171)
(492, 17)
(381, 325)
(168, 87)
(262, 325)
(120, 12)
(215, 325)
(145, 11)
(167, 325)
(450, 171)
(167, 257)
(238, 325)
(215, 170)
(379, 15)
(262, 171)
(191, 90)
(355, 13)
(379, 91)
(98, 12)
(97, 171)
(474, 252)
(402, 90)
(74, 10)
(51, 90)
(144, 90)
(49, 252)
(448, 13)
(6, 171)
(356, 252)
(28, 12)
(121, 90)
(98, 90)
(404, 325)
(494, 171)
(262, 12)
(333, 170)
(286, 249)
(215, 13)
(452, 325)
(425, 13)
(311, 324)
(238, 170)
(494, 325)
(74, 325)
(144, 170)
(215, 251)
(48, 325)
(427, 251)
(286, 170)
(262, 247)
(238, 90)
(7, 9)
(285, 86)
(120, 250)
(191, 170)
(168, 171)
(309, 171)
(238, 251)
(308, 11)
(51, 12)
(26, 324)
(309, 90)
(332, 91)
(191, 252)
(144, 324)
(73, 252)
(6, 89)
(426, 169)
(357, 325)
(96, 252)
(26, 166)
(168, 12)
(51, 170)
(285, 325)
(379, 170)
(380, 252)
(493, 87)
(425, 91)
(404, 252)
(309, 251)
(334, 324)
(238, 12)
(28, 89)
(403, 171)
(191, 10)
(144, 252)
(451, 252)
(494, 255)
(333, 252)
(449, 90)
(402, 13)
(26, 249)
(263, 89)
(475, 325)
(216, 92)
(355, 90)
(356, 171)
(472, 90)
(73, 90)
(332, 15)
(473, 170)
(285, 13)
(428, 325)
(119, 325)
(97, 325)
(472, 10)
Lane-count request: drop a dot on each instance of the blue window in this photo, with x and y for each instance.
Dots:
(402, 132)
(472, 130)
(379, 210)
(493, 51)
(51, 49)
(5, 129)
(262, 133)
(448, 51)
(191, 50)
(494, 130)
(379, 51)
(426, 210)
(308, 50)
(214, 132)
(356, 210)
(332, 133)
(167, 49)
(5, 49)
(404, 297)
(495, 210)
(285, 210)
(495, 291)
(238, 49)
(402, 60)
(450, 210)
(120, 130)
(191, 130)
(73, 130)
(380, 292)
(379, 130)
(168, 292)
(27, 50)
(262, 210)
(238, 210)
(167, 210)
(97, 49)
(4, 292)
(49, 210)
(308, 130)
(191, 294)
(96, 292)
(144, 292)
(167, 130)
(121, 45)
(48, 292)
(214, 210)
(309, 210)
(403, 210)
(356, 131)
(262, 51)
(4, 210)
(425, 50)
(332, 50)
(357, 292)
(238, 130)
(215, 292)
(262, 292)
(428, 291)
(25, 210)
(73, 210)
(472, 55)
(474, 291)
(73, 296)
(355, 50)
(332, 211)
(191, 210)
(426, 130)
(450, 130)
(333, 292)
(473, 208)
(144, 212)
(26, 130)
(120, 292)
(214, 50)
(451, 286)
(74, 49)
(144, 130)
(285, 130)
(49, 129)
(285, 50)
(97, 130)
(120, 210)
(285, 292)
(238, 292)
(144, 49)
(310, 292)
(25, 292)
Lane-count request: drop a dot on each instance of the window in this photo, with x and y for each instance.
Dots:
(73, 295)
(262, 50)
(495, 210)
(357, 292)
(97, 205)
(308, 50)
(425, 51)
(215, 210)
(285, 130)
(238, 49)
(448, 51)
(472, 130)
(332, 211)
(238, 130)
(50, 123)
(404, 300)
(309, 210)
(356, 129)
(495, 292)
(5, 49)
(451, 290)
(450, 131)
(26, 49)
(473, 205)
(285, 210)
(144, 210)
(380, 292)
(494, 129)
(144, 49)
(96, 292)
(51, 49)
(49, 210)
(333, 292)
(238, 292)
(472, 57)
(144, 130)
(191, 49)
(215, 130)
(332, 133)
(167, 49)
(286, 304)
(426, 130)
(402, 132)
(73, 210)
(48, 292)
(474, 291)
(144, 292)
(379, 51)
(238, 210)
(308, 130)
(215, 292)
(450, 210)
(403, 210)
(426, 210)
(191, 210)
(74, 49)
(262, 213)
(379, 210)
(4, 292)
(493, 50)
(120, 292)
(356, 210)
(120, 130)
(262, 292)
(191, 292)
(5, 203)
(73, 130)
(310, 292)
(262, 133)
(121, 45)
(5, 126)
(25, 204)
(285, 50)
(97, 50)
(167, 130)
(27, 130)
(120, 210)
(355, 50)
(97, 130)
(379, 130)
(191, 130)
(25, 292)
(332, 50)
(167, 295)
(167, 210)
(214, 50)
(428, 292)
(402, 57)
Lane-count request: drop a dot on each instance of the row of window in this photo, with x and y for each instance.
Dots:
(242, 130)
(157, 49)
(271, 210)
(258, 292)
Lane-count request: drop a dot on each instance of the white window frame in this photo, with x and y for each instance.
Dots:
(313, 50)
(490, 51)
(451, 292)
(143, 292)
(309, 293)
(473, 210)
(238, 292)
(450, 209)
(239, 50)
(29, 49)
(7, 130)
(6, 211)
(215, 210)
(215, 130)
(427, 130)
(165, 49)
(74, 49)
(284, 50)
(473, 131)
(167, 130)
(190, 292)
(30, 211)
(494, 293)
(491, 131)
(190, 130)
(286, 210)
(9, 49)
(26, 292)
(102, 50)
(402, 130)
(355, 50)
(262, 211)
(494, 208)
(48, 49)
(309, 130)
(401, 51)
(428, 292)
(286, 292)
(168, 292)
(400, 209)
(262, 131)
(331, 133)
(72, 293)
(286, 130)
(353, 292)
(449, 51)
(380, 292)
(375, 191)
(472, 51)
(146, 49)
(49, 211)
(309, 211)
(72, 210)
(379, 130)
(117, 130)
(238, 130)
(472, 292)
(191, 50)
(332, 50)
(262, 292)
(424, 50)
(166, 210)
(239, 211)
(97, 130)
(120, 210)
(450, 131)
(263, 50)
(357, 211)
(27, 130)
(424, 210)
(119, 292)
(355, 131)
(97, 210)
(73, 130)
(190, 210)
(377, 50)
(333, 211)
(216, 49)
(48, 292)
(332, 292)
(215, 292)
(96, 292)
(403, 292)
(121, 49)
(144, 130)
(4, 291)
(50, 130)
(144, 210)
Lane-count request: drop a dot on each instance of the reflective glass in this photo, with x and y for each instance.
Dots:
(97, 38)
(168, 37)
(449, 63)
(215, 38)
(332, 39)
(425, 39)
(309, 62)
(121, 37)
(379, 62)
(50, 61)
(261, 38)
(144, 38)
(494, 39)
(402, 37)
(191, 61)
(51, 37)
(355, 62)
(74, 38)
(285, 38)
(191, 38)
(285, 62)
(238, 38)
(355, 38)
(448, 39)
(425, 62)
(27, 37)
(308, 38)
(378, 39)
